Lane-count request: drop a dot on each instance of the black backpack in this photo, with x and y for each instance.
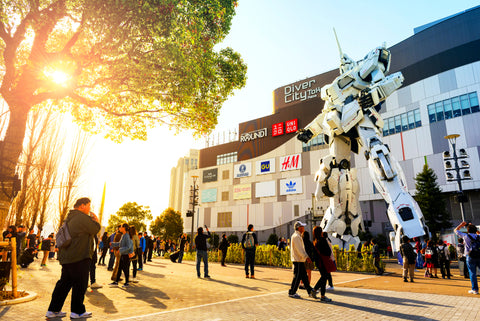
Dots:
(441, 253)
(475, 251)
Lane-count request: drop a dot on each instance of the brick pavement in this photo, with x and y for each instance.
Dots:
(169, 291)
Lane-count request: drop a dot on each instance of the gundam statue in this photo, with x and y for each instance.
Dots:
(349, 120)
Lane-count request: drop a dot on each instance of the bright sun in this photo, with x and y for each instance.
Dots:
(57, 76)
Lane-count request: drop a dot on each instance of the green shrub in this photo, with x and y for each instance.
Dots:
(272, 239)
(232, 238)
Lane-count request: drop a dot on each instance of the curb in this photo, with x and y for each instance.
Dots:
(29, 297)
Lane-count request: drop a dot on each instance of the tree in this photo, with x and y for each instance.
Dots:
(232, 239)
(169, 225)
(272, 239)
(430, 199)
(214, 240)
(119, 67)
(130, 213)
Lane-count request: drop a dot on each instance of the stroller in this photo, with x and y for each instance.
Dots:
(27, 257)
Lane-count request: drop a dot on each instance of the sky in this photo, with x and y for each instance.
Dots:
(281, 41)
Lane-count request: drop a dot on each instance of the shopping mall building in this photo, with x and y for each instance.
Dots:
(266, 176)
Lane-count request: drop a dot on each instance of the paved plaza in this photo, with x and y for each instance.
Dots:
(171, 291)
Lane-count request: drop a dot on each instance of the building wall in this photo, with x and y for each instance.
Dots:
(438, 63)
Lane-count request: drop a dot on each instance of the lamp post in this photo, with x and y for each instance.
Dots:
(193, 201)
(452, 139)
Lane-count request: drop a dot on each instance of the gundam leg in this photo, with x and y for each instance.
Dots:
(337, 181)
(403, 212)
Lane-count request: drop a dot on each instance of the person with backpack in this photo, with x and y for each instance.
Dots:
(472, 250)
(444, 259)
(249, 242)
(75, 260)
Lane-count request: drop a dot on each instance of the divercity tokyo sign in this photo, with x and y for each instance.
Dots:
(301, 92)
(260, 133)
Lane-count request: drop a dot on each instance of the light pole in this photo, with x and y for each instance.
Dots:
(452, 139)
(193, 202)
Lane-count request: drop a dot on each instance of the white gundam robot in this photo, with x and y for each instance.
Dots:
(350, 119)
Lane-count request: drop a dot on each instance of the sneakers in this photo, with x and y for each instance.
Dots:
(295, 296)
(84, 315)
(51, 314)
(325, 299)
(473, 292)
(246, 276)
(313, 294)
(126, 285)
(114, 284)
(134, 280)
(207, 276)
(95, 285)
(139, 269)
(252, 277)
(330, 288)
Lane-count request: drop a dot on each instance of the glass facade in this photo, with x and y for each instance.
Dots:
(314, 144)
(453, 107)
(402, 122)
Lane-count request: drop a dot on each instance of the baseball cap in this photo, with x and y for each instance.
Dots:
(298, 224)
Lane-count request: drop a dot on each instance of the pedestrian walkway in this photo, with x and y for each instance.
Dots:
(172, 291)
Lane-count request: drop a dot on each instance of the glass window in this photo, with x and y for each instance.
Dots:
(456, 107)
(473, 102)
(391, 126)
(411, 120)
(439, 111)
(447, 107)
(385, 128)
(418, 118)
(398, 124)
(431, 113)
(464, 101)
(404, 122)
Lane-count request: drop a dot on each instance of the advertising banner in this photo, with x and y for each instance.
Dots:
(290, 162)
(209, 195)
(291, 185)
(242, 170)
(266, 166)
(265, 189)
(243, 191)
(210, 175)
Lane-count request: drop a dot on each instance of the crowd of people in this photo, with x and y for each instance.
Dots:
(129, 250)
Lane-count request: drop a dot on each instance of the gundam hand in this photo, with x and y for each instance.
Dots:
(365, 99)
(304, 135)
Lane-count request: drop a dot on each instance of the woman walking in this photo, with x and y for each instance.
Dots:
(106, 246)
(323, 249)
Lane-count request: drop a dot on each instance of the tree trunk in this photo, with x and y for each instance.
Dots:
(10, 150)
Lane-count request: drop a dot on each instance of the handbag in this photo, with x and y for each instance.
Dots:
(327, 262)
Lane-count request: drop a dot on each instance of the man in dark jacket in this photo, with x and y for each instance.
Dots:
(202, 254)
(75, 260)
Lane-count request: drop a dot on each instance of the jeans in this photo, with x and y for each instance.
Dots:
(74, 276)
(472, 269)
(180, 256)
(111, 260)
(202, 255)
(250, 261)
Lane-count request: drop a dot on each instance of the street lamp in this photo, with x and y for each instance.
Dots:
(462, 172)
(193, 202)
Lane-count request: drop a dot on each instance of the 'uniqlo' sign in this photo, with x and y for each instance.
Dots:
(291, 126)
(277, 129)
(290, 162)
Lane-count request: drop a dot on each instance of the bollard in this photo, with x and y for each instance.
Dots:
(13, 241)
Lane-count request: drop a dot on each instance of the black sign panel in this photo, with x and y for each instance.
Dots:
(210, 175)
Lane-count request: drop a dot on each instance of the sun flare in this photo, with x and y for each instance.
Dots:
(57, 76)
